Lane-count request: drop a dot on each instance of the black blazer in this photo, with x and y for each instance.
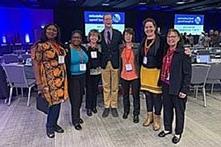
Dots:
(180, 74)
(111, 52)
(155, 53)
(68, 58)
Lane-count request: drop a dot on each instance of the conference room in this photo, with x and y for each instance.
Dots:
(40, 41)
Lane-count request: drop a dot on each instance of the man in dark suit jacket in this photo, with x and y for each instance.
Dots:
(111, 39)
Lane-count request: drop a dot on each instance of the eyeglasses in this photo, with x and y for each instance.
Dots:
(171, 36)
(76, 37)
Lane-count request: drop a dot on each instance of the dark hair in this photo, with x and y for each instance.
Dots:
(44, 37)
(150, 20)
(94, 31)
(181, 41)
(78, 32)
(129, 31)
(106, 14)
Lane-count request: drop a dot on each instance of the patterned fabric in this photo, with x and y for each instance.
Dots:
(167, 60)
(51, 77)
(149, 79)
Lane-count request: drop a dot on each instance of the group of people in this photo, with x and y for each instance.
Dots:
(159, 66)
(211, 39)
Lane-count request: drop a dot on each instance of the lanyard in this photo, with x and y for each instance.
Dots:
(127, 55)
(147, 48)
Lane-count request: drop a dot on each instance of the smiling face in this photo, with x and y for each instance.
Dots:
(51, 32)
(172, 39)
(128, 37)
(76, 39)
(149, 30)
(107, 21)
(93, 37)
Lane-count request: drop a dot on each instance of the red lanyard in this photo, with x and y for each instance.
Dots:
(127, 55)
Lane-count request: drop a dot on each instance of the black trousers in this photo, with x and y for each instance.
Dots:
(53, 115)
(135, 84)
(76, 85)
(153, 101)
(170, 102)
(92, 90)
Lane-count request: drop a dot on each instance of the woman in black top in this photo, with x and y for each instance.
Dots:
(93, 71)
(175, 77)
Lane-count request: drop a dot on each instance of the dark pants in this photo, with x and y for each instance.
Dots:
(92, 90)
(76, 92)
(53, 114)
(153, 101)
(170, 102)
(135, 84)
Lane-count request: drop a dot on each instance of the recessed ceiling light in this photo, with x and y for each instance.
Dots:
(142, 3)
(105, 4)
(180, 3)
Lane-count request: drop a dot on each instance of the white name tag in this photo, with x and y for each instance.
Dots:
(145, 60)
(128, 67)
(61, 59)
(82, 67)
(93, 54)
(168, 77)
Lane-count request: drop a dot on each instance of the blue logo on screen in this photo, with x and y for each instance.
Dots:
(197, 20)
(116, 18)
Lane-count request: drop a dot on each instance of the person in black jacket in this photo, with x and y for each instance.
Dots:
(151, 55)
(93, 73)
(175, 77)
(76, 61)
(110, 42)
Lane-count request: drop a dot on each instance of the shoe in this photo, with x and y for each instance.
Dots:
(136, 119)
(148, 120)
(125, 115)
(156, 122)
(114, 112)
(94, 110)
(58, 129)
(106, 112)
(77, 126)
(50, 132)
(176, 138)
(164, 133)
(81, 121)
(89, 112)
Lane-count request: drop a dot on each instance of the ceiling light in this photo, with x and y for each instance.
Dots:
(142, 3)
(180, 3)
(105, 4)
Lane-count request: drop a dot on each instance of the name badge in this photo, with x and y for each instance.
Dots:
(145, 60)
(128, 67)
(61, 59)
(168, 77)
(82, 67)
(93, 54)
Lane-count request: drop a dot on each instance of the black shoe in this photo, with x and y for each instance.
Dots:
(114, 112)
(106, 112)
(50, 132)
(81, 121)
(125, 115)
(58, 129)
(163, 133)
(176, 138)
(89, 112)
(136, 119)
(94, 110)
(77, 126)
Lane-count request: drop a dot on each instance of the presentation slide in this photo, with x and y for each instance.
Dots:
(193, 24)
(94, 20)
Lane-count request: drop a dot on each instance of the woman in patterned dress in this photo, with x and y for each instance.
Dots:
(50, 72)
